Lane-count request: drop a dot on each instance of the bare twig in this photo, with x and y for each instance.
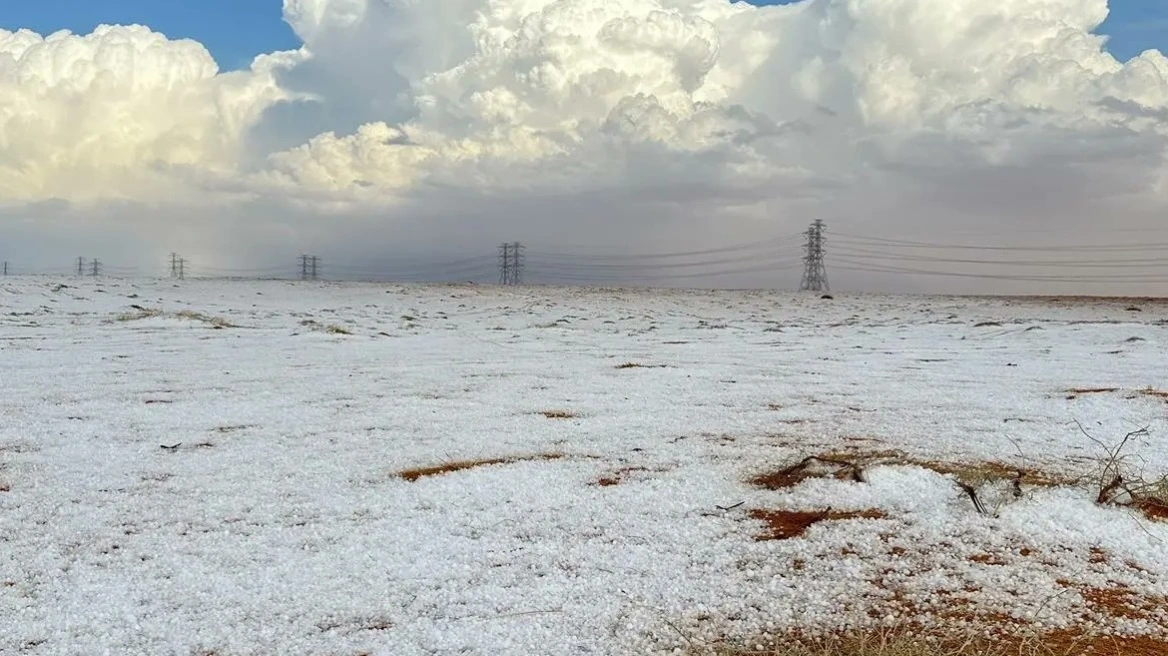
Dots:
(968, 489)
(1017, 447)
(528, 612)
(1106, 492)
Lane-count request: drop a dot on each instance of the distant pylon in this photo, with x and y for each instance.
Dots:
(516, 263)
(504, 263)
(814, 272)
(308, 267)
(511, 263)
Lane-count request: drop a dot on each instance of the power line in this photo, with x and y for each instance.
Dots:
(539, 261)
(767, 268)
(860, 266)
(860, 240)
(604, 257)
(902, 257)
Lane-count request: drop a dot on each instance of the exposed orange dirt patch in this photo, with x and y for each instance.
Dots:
(1122, 602)
(412, 475)
(810, 467)
(990, 470)
(617, 477)
(987, 559)
(1153, 508)
(786, 524)
(1076, 392)
(1079, 391)
(849, 464)
(1159, 394)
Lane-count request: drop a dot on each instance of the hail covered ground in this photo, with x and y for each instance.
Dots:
(271, 467)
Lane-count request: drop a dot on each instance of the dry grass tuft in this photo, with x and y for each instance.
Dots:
(787, 524)
(886, 643)
(858, 646)
(143, 313)
(412, 475)
(331, 329)
(218, 323)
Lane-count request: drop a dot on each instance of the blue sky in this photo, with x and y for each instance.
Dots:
(237, 30)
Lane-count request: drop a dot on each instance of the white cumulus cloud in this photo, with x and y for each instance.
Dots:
(508, 93)
(893, 112)
(112, 113)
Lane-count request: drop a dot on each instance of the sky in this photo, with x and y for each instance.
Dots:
(387, 130)
(235, 32)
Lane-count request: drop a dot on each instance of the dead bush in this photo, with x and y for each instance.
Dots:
(1121, 482)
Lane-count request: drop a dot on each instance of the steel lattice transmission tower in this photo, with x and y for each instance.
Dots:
(309, 267)
(511, 263)
(814, 272)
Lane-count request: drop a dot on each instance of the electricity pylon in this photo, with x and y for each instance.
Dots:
(814, 272)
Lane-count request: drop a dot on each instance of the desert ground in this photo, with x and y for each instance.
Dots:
(265, 467)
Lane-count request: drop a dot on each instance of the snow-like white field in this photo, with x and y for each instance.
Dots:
(280, 525)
